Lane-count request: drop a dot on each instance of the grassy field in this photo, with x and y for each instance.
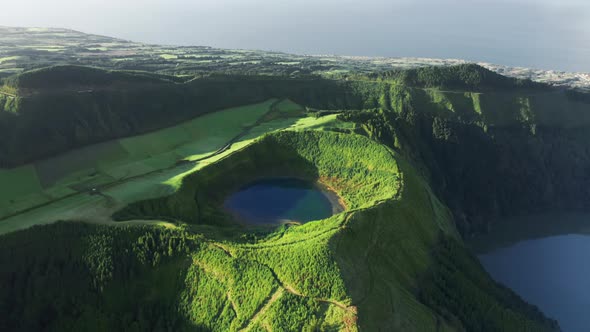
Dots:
(108, 162)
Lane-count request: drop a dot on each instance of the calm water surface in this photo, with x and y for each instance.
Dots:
(277, 200)
(550, 270)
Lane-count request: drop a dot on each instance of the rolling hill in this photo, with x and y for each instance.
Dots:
(421, 157)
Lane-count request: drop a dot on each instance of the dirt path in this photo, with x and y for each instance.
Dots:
(281, 289)
(286, 288)
(275, 296)
(340, 305)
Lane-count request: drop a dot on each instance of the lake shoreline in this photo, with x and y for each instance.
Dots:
(336, 203)
(543, 259)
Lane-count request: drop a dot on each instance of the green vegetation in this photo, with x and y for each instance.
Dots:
(455, 285)
(489, 154)
(362, 179)
(332, 274)
(65, 203)
(71, 277)
(468, 76)
(111, 105)
(111, 162)
(60, 77)
(419, 157)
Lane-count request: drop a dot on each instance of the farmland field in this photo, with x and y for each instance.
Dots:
(104, 163)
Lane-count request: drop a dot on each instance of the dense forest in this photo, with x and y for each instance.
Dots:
(486, 170)
(61, 108)
(74, 276)
(470, 77)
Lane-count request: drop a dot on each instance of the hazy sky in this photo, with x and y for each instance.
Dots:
(536, 33)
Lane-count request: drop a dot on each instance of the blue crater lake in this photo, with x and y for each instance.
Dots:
(550, 268)
(279, 200)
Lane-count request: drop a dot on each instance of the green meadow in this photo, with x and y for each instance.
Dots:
(105, 163)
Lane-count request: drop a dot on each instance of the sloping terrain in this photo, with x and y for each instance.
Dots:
(420, 158)
(468, 126)
(114, 161)
(370, 267)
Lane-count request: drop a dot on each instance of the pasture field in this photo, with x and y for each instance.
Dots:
(104, 163)
(20, 187)
(78, 164)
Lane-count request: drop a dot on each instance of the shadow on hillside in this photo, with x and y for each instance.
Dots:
(202, 194)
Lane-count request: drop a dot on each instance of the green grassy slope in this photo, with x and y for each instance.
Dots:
(48, 120)
(366, 268)
(318, 156)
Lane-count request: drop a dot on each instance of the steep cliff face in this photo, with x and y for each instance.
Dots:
(491, 154)
(400, 263)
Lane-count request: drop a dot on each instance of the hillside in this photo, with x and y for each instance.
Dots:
(78, 77)
(116, 104)
(469, 77)
(421, 158)
(394, 250)
(457, 122)
(435, 116)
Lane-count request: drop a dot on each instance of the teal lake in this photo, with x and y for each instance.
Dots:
(278, 200)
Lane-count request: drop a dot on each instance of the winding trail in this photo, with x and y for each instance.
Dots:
(273, 298)
(281, 289)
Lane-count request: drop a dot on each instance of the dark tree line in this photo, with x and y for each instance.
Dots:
(80, 277)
